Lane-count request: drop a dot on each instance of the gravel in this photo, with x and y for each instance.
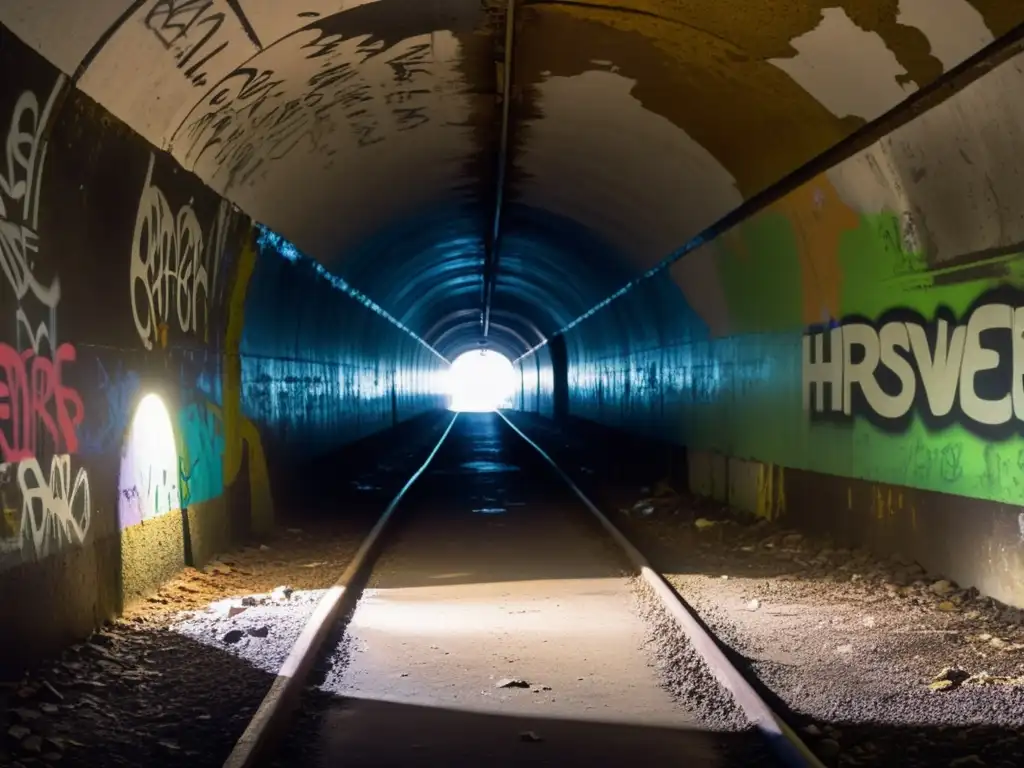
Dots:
(682, 670)
(176, 679)
(873, 660)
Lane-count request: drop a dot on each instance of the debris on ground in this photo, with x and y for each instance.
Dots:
(512, 682)
(203, 650)
(530, 736)
(851, 636)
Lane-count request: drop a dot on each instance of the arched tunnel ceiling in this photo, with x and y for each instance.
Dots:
(367, 131)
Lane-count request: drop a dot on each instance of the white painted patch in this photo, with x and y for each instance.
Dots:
(962, 186)
(598, 157)
(954, 28)
(62, 31)
(273, 19)
(848, 69)
(164, 59)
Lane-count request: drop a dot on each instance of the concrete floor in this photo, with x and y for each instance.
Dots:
(495, 571)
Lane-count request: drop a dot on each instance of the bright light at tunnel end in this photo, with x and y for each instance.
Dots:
(479, 381)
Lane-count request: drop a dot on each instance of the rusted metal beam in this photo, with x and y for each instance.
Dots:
(491, 253)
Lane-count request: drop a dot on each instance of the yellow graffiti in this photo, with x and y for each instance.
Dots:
(771, 491)
(884, 499)
(240, 434)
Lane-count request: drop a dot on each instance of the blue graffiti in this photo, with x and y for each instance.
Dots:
(201, 464)
(103, 432)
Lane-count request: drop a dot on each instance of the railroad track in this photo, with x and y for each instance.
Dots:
(449, 551)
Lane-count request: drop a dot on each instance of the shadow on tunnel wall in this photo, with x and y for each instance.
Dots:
(157, 355)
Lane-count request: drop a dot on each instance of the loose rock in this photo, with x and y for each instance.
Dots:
(233, 636)
(511, 682)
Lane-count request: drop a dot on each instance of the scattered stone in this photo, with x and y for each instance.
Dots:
(232, 637)
(964, 762)
(250, 602)
(812, 730)
(295, 531)
(942, 588)
(264, 548)
(868, 621)
(259, 631)
(53, 757)
(530, 736)
(702, 522)
(218, 568)
(754, 604)
(844, 649)
(49, 709)
(27, 715)
(281, 594)
(511, 682)
(318, 564)
(792, 540)
(996, 642)
(948, 679)
(166, 744)
(52, 693)
(33, 744)
(946, 606)
(18, 732)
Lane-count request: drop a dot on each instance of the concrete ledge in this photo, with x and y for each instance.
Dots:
(209, 530)
(151, 553)
(49, 603)
(974, 542)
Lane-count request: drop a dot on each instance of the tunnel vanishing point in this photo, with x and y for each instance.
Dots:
(236, 235)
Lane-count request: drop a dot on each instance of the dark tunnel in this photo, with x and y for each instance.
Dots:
(240, 238)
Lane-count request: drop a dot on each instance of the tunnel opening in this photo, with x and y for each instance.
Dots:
(481, 381)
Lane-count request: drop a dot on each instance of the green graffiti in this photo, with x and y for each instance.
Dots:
(774, 283)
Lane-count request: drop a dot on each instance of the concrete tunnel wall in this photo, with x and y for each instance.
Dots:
(850, 359)
(123, 276)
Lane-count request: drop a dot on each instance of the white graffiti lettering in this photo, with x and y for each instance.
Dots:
(56, 510)
(20, 185)
(167, 267)
(936, 366)
(188, 28)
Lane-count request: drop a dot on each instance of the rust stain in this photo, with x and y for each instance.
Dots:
(819, 218)
(704, 65)
(752, 117)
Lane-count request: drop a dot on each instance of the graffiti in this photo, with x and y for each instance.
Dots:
(102, 432)
(255, 115)
(201, 465)
(32, 394)
(168, 270)
(56, 510)
(20, 185)
(969, 372)
(148, 481)
(190, 29)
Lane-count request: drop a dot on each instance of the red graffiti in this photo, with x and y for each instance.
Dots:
(33, 396)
